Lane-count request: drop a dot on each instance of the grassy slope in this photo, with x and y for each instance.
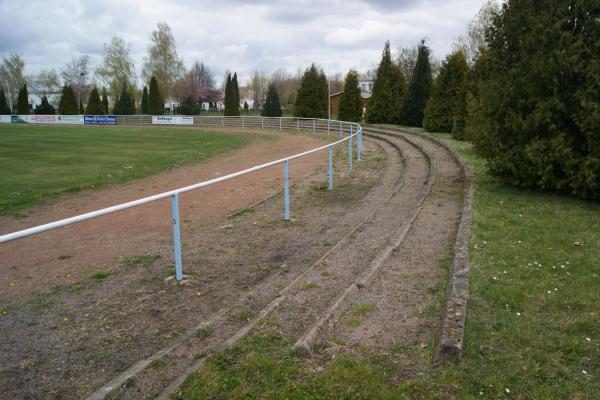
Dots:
(533, 320)
(41, 162)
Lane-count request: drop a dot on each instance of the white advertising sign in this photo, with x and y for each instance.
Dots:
(5, 119)
(172, 120)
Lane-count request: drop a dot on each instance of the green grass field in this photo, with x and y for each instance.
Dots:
(533, 323)
(39, 163)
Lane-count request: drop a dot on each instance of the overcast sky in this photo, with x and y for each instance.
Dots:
(236, 35)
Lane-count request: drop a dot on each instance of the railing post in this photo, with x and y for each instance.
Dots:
(350, 153)
(314, 128)
(286, 192)
(297, 124)
(279, 123)
(176, 236)
(262, 123)
(341, 129)
(243, 122)
(330, 163)
(328, 123)
(359, 143)
(222, 121)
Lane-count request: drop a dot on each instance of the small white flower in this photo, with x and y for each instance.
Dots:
(507, 391)
(549, 292)
(519, 314)
(566, 262)
(521, 215)
(504, 272)
(584, 372)
(494, 278)
(588, 339)
(562, 266)
(556, 289)
(519, 241)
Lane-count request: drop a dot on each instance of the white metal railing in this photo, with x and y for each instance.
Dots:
(347, 131)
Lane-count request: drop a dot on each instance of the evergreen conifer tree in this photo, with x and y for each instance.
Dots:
(4, 108)
(389, 90)
(272, 107)
(539, 111)
(236, 94)
(312, 98)
(45, 108)
(104, 100)
(94, 105)
(351, 108)
(23, 101)
(124, 105)
(419, 90)
(68, 101)
(446, 108)
(81, 109)
(145, 107)
(227, 99)
(246, 107)
(155, 101)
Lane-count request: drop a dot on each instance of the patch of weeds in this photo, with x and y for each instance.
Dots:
(157, 364)
(100, 275)
(353, 322)
(320, 187)
(32, 323)
(139, 261)
(362, 309)
(79, 348)
(5, 310)
(202, 333)
(41, 303)
(64, 257)
(246, 315)
(325, 273)
(169, 271)
(75, 288)
(309, 285)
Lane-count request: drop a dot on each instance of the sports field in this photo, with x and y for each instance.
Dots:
(42, 162)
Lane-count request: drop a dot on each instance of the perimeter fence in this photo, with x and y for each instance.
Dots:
(344, 131)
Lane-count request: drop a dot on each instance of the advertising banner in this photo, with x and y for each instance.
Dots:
(100, 119)
(5, 119)
(172, 120)
(41, 119)
(69, 119)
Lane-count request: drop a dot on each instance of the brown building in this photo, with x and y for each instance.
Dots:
(366, 86)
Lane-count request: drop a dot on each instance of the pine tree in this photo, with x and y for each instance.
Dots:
(246, 107)
(388, 93)
(155, 101)
(124, 105)
(446, 108)
(227, 99)
(45, 108)
(105, 100)
(94, 105)
(23, 101)
(4, 108)
(272, 107)
(539, 112)
(351, 107)
(232, 96)
(145, 101)
(312, 98)
(419, 90)
(68, 101)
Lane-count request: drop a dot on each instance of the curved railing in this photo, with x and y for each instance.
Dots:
(346, 130)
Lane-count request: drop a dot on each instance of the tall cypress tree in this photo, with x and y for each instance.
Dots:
(228, 97)
(104, 100)
(419, 90)
(351, 107)
(23, 101)
(235, 101)
(68, 101)
(389, 90)
(94, 105)
(4, 108)
(312, 98)
(446, 108)
(45, 108)
(145, 101)
(155, 101)
(272, 107)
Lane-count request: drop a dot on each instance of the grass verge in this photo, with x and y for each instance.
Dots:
(533, 323)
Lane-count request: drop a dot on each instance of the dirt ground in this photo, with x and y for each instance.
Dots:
(392, 220)
(71, 253)
(68, 340)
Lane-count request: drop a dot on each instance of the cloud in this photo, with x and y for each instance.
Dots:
(232, 35)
